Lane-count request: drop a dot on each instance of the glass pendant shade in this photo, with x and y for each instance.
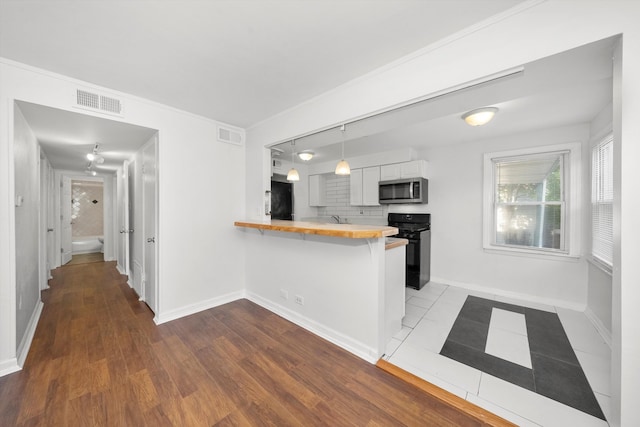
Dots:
(293, 175)
(342, 168)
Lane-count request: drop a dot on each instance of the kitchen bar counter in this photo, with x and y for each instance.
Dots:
(349, 231)
(339, 281)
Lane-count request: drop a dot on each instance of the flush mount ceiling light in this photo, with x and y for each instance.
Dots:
(479, 116)
(342, 168)
(306, 155)
(293, 174)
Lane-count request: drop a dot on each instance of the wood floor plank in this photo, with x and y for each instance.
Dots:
(98, 359)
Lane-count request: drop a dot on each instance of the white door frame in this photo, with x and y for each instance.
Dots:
(59, 175)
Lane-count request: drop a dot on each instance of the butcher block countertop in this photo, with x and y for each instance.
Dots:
(349, 231)
(394, 242)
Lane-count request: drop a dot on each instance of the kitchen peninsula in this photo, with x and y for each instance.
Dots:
(342, 282)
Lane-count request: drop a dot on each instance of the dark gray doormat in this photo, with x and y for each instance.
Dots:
(556, 371)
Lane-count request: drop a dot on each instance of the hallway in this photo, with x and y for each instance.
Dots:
(98, 359)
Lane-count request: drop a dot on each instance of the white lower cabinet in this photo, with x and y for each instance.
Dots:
(364, 186)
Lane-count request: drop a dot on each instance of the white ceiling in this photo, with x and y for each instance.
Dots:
(243, 61)
(239, 61)
(67, 137)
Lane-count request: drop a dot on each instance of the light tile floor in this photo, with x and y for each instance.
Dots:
(430, 314)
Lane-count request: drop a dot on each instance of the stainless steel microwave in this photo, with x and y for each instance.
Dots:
(409, 190)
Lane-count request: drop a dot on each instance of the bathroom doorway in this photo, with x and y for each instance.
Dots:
(87, 220)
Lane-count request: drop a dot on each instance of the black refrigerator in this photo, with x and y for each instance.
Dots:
(281, 200)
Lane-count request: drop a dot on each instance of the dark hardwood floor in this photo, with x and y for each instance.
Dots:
(97, 359)
(86, 258)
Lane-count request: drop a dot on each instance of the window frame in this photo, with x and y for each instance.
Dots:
(601, 141)
(571, 221)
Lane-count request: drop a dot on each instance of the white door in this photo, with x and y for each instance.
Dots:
(51, 220)
(65, 221)
(122, 219)
(135, 238)
(46, 222)
(149, 178)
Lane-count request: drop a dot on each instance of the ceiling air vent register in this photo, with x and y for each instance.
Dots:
(98, 103)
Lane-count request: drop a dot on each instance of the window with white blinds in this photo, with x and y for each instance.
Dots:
(532, 199)
(602, 201)
(529, 201)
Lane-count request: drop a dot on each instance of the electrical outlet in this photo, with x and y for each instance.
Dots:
(299, 300)
(284, 294)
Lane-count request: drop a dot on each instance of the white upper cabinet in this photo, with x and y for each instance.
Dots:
(413, 169)
(364, 186)
(317, 190)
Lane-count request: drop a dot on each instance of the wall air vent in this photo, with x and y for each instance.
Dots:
(98, 103)
(88, 99)
(230, 136)
(111, 105)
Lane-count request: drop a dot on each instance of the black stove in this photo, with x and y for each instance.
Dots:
(415, 227)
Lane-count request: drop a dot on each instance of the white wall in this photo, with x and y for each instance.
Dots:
(201, 193)
(27, 187)
(456, 207)
(342, 301)
(537, 29)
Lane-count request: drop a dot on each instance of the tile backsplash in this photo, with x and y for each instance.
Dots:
(338, 202)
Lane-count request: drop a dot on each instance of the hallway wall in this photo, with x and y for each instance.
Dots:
(27, 188)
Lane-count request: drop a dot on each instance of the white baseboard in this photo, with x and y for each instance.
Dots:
(195, 308)
(9, 366)
(597, 323)
(25, 343)
(120, 270)
(515, 295)
(352, 346)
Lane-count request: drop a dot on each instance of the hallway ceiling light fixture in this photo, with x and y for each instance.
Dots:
(479, 116)
(293, 174)
(306, 155)
(342, 168)
(94, 156)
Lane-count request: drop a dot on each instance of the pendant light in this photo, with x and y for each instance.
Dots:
(342, 168)
(293, 174)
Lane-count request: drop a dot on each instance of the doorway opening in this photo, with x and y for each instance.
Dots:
(87, 220)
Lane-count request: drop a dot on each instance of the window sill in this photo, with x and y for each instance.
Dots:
(548, 255)
(607, 269)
